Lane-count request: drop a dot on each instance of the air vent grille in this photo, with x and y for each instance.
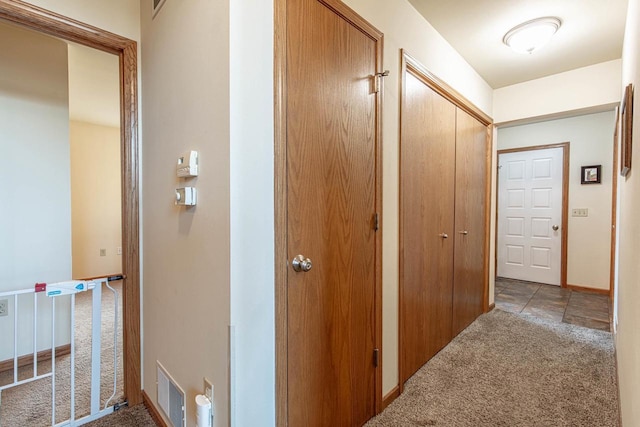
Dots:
(170, 398)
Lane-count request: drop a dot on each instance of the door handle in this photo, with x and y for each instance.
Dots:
(300, 263)
(464, 232)
(444, 235)
(555, 228)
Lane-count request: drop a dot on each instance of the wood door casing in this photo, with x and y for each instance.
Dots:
(331, 160)
(470, 220)
(427, 158)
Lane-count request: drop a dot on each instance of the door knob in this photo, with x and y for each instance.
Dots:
(443, 235)
(555, 228)
(300, 263)
(464, 232)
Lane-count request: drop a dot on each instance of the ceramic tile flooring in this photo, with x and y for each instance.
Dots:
(586, 309)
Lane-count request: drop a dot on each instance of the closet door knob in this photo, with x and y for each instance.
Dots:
(301, 264)
(444, 235)
(464, 232)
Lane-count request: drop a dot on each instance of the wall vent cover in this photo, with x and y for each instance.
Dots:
(170, 398)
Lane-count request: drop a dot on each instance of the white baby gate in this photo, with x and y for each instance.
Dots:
(54, 290)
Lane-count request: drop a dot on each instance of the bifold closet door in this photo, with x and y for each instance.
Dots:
(427, 164)
(470, 221)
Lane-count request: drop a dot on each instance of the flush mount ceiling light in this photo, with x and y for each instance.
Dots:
(531, 35)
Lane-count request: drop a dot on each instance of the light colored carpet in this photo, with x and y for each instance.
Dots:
(513, 370)
(136, 416)
(30, 404)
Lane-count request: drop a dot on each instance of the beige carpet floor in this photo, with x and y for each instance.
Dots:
(504, 370)
(136, 416)
(30, 404)
(513, 370)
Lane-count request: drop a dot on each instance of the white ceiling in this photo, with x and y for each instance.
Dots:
(591, 32)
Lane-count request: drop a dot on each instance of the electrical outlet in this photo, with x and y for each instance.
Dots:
(208, 390)
(103, 252)
(580, 212)
(4, 307)
(119, 250)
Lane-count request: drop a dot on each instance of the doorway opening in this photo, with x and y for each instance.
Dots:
(43, 21)
(63, 132)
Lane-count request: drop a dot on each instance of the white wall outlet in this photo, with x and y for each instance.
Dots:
(4, 307)
(119, 250)
(580, 212)
(208, 390)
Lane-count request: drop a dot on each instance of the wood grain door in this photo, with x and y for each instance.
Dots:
(331, 192)
(470, 221)
(427, 164)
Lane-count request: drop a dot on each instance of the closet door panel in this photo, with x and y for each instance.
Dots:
(427, 164)
(470, 220)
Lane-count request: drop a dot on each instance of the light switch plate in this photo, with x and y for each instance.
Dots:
(580, 212)
(4, 307)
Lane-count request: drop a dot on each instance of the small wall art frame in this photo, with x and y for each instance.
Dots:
(156, 5)
(591, 174)
(626, 131)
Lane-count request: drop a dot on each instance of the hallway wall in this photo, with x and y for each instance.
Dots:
(186, 258)
(583, 88)
(628, 281)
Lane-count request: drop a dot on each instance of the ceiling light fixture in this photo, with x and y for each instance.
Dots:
(531, 35)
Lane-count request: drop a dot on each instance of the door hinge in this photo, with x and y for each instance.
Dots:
(376, 357)
(376, 221)
(377, 83)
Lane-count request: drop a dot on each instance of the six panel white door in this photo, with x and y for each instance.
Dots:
(530, 215)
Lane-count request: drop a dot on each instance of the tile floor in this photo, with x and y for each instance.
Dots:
(586, 309)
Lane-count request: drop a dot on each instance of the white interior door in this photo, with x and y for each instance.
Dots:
(530, 215)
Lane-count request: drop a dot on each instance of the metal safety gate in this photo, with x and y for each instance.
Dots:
(54, 291)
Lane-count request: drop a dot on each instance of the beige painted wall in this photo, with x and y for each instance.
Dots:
(586, 87)
(591, 143)
(185, 88)
(94, 86)
(404, 27)
(96, 214)
(35, 214)
(121, 17)
(628, 295)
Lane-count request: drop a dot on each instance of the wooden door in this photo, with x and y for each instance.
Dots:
(427, 164)
(469, 277)
(332, 179)
(530, 212)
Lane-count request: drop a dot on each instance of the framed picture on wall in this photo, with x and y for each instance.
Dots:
(626, 132)
(156, 5)
(591, 174)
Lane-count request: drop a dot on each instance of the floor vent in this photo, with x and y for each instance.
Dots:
(170, 398)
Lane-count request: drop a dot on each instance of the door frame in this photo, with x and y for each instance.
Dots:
(565, 202)
(408, 63)
(280, 197)
(44, 21)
